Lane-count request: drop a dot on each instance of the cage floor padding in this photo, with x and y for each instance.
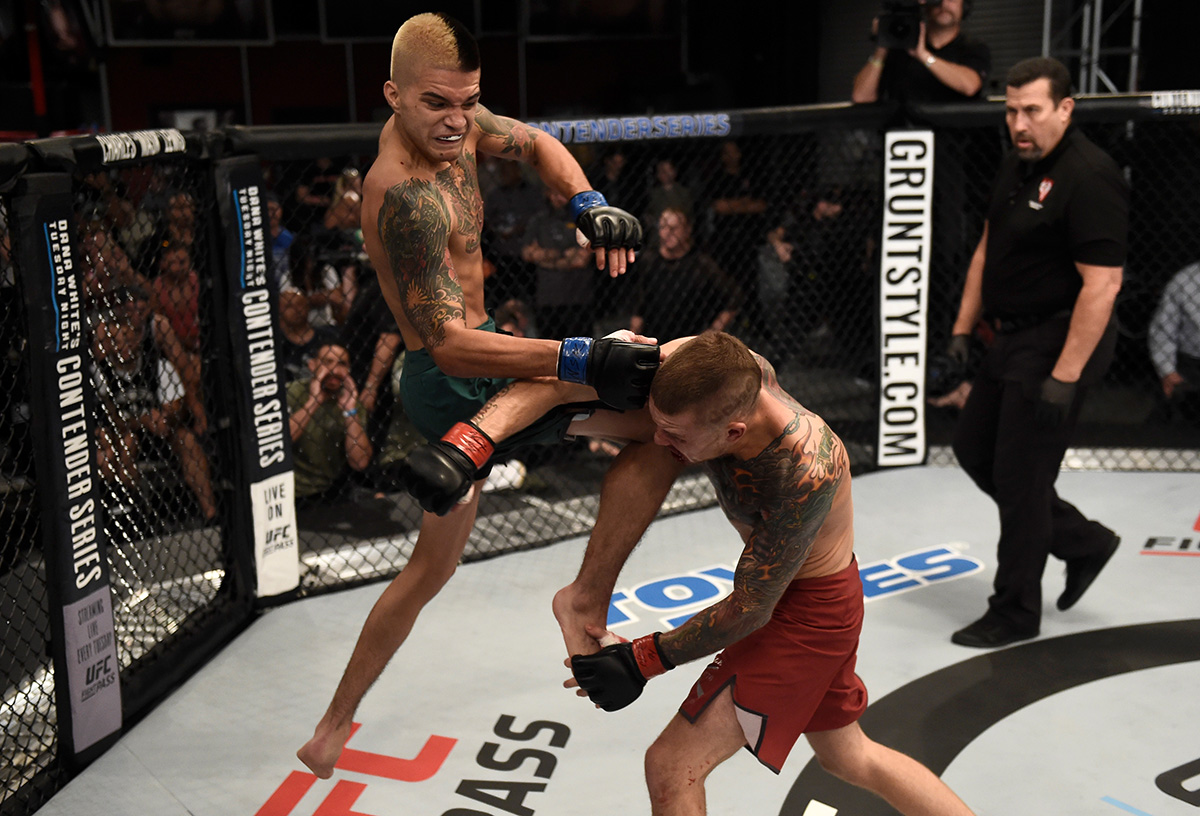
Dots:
(1099, 715)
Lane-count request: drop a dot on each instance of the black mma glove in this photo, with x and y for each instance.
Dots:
(440, 473)
(604, 226)
(615, 676)
(959, 350)
(1054, 402)
(620, 371)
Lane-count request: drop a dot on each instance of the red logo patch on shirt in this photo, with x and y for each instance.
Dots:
(1044, 188)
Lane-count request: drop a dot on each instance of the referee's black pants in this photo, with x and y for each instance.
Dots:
(1016, 461)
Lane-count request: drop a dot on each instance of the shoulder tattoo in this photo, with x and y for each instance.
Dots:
(414, 227)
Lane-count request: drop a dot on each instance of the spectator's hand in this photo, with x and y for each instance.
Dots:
(955, 399)
(199, 422)
(1170, 383)
(155, 422)
(368, 397)
(921, 52)
(348, 395)
(315, 392)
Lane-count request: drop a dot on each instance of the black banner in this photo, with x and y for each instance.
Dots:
(264, 440)
(85, 656)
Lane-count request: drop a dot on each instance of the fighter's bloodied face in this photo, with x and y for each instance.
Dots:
(1035, 123)
(436, 110)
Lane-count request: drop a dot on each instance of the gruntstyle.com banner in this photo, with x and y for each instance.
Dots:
(903, 295)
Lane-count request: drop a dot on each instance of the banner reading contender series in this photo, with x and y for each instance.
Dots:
(903, 297)
(88, 690)
(262, 404)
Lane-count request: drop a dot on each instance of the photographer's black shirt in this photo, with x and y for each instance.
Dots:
(907, 78)
(1069, 206)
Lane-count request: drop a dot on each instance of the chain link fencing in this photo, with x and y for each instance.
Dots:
(29, 770)
(768, 226)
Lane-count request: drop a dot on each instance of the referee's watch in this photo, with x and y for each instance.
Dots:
(930, 60)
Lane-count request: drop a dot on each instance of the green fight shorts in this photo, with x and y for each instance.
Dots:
(435, 401)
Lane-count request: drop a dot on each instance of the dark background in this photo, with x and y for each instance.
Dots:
(327, 62)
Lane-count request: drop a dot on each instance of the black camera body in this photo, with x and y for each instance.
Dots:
(900, 23)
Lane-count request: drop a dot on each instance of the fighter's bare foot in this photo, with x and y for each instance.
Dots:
(320, 754)
(574, 614)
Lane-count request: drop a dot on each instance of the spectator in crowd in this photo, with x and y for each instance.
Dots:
(514, 316)
(945, 66)
(313, 193)
(281, 237)
(668, 193)
(106, 265)
(176, 294)
(301, 341)
(327, 424)
(181, 220)
(681, 290)
(735, 216)
(343, 218)
(138, 309)
(778, 276)
(105, 198)
(329, 294)
(617, 182)
(143, 399)
(1175, 342)
(563, 297)
(507, 211)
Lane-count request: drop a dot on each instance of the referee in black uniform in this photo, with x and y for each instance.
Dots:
(1044, 276)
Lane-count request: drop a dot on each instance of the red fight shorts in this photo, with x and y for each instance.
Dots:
(796, 673)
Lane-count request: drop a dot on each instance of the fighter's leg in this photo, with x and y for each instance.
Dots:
(434, 559)
(904, 783)
(634, 488)
(519, 404)
(686, 753)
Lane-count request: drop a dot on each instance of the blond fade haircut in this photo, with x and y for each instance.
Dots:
(714, 375)
(432, 40)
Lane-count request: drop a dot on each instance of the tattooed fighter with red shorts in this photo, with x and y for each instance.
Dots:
(788, 633)
(421, 218)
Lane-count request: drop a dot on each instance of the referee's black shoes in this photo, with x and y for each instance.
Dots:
(1082, 571)
(990, 632)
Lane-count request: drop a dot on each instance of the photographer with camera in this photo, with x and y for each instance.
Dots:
(921, 55)
(327, 424)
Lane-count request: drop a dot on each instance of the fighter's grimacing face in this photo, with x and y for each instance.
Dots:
(436, 108)
(688, 439)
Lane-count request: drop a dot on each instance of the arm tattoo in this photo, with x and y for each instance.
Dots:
(414, 226)
(516, 139)
(785, 493)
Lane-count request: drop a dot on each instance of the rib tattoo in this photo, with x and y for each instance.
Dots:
(414, 226)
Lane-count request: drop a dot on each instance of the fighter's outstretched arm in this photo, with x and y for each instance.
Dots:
(614, 233)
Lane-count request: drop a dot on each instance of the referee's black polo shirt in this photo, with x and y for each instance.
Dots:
(1071, 205)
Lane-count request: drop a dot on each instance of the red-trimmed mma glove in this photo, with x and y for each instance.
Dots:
(440, 473)
(605, 226)
(615, 676)
(620, 371)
